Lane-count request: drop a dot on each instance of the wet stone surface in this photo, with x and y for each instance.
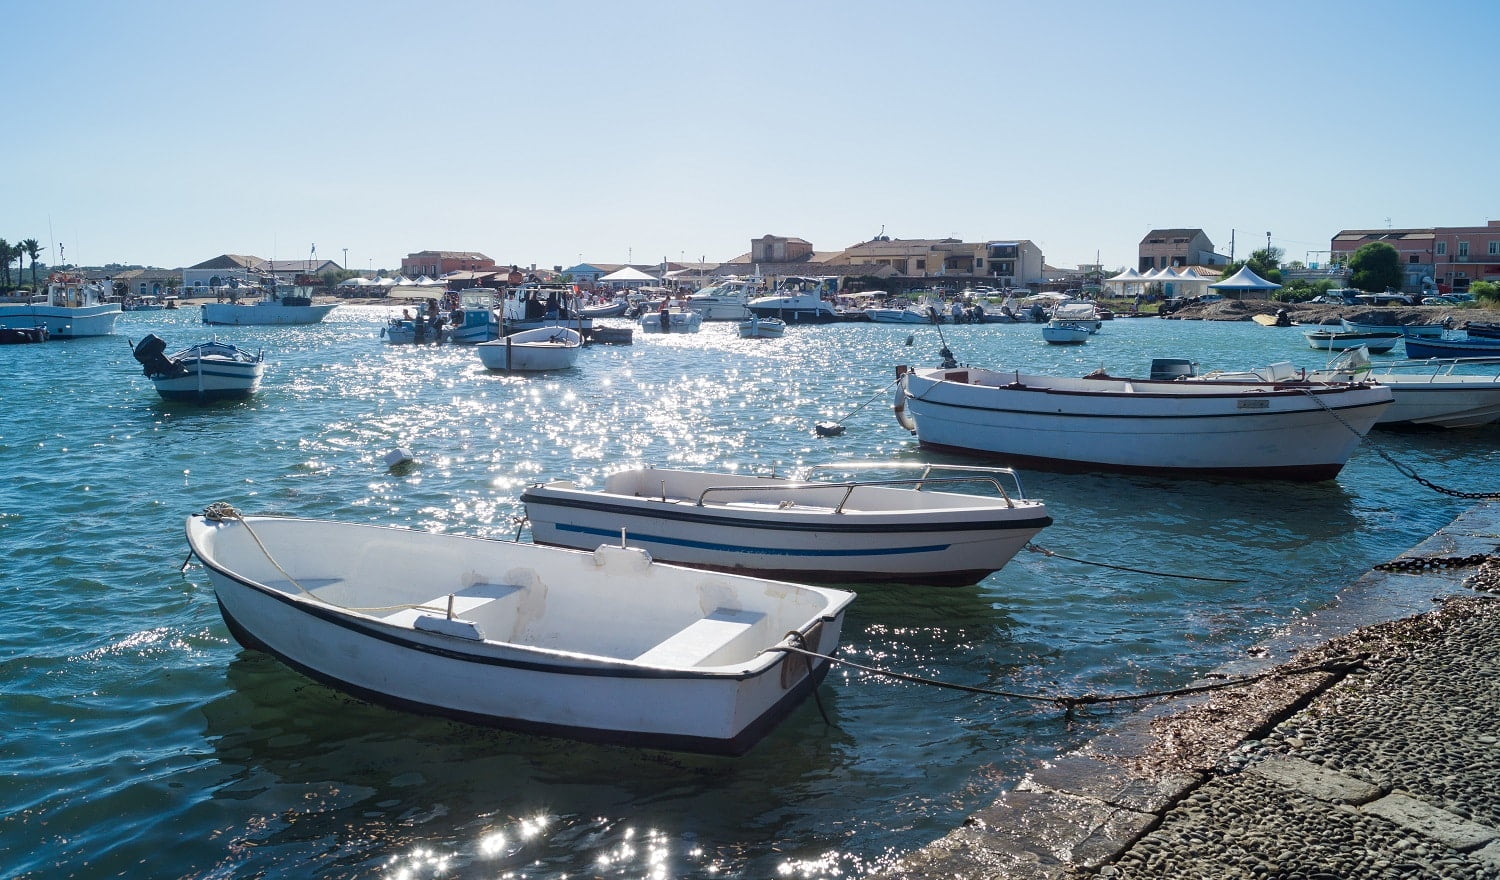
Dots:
(1378, 757)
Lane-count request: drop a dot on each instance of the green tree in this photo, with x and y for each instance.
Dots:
(32, 249)
(7, 253)
(1265, 262)
(1488, 291)
(1375, 267)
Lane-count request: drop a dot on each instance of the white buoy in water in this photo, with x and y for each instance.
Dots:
(397, 457)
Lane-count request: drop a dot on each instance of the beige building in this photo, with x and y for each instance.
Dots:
(1012, 263)
(1177, 248)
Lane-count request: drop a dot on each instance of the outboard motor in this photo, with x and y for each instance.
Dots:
(150, 354)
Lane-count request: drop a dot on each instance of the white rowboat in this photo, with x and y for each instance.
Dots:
(604, 645)
(545, 348)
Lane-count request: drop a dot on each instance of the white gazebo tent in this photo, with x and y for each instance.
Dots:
(1245, 284)
(628, 276)
(1190, 283)
(1125, 284)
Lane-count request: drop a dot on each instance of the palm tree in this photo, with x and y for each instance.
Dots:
(6, 255)
(33, 249)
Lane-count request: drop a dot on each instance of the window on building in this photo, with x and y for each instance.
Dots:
(1494, 248)
(1413, 258)
(921, 265)
(1463, 249)
(1442, 248)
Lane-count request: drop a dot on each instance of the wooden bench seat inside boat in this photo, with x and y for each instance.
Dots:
(699, 641)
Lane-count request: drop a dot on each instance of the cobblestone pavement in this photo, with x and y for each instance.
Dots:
(1383, 763)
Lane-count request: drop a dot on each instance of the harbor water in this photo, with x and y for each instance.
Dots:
(142, 741)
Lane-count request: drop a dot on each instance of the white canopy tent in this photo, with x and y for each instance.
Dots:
(1245, 283)
(629, 276)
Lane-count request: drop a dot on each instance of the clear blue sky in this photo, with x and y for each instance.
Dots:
(167, 132)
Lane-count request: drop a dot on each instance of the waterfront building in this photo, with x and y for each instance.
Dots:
(1177, 249)
(1448, 258)
(436, 263)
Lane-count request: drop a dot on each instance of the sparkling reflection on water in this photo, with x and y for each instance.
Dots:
(143, 741)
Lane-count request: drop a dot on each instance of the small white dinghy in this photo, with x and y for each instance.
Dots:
(545, 348)
(762, 328)
(204, 372)
(604, 645)
(860, 531)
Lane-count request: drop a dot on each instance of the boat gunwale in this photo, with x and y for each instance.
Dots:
(762, 663)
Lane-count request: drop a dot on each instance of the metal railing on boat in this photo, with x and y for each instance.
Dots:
(926, 479)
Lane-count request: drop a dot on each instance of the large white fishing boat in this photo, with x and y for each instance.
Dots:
(71, 307)
(1289, 430)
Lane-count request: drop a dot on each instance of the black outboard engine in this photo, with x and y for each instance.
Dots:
(157, 365)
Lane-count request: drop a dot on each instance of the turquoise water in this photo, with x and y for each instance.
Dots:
(142, 741)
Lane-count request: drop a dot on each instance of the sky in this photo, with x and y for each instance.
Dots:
(168, 132)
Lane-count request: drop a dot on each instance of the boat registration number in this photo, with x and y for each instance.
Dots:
(1253, 404)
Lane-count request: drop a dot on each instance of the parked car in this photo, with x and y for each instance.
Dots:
(1388, 298)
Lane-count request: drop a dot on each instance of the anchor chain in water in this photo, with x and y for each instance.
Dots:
(1336, 665)
(1403, 469)
(1434, 563)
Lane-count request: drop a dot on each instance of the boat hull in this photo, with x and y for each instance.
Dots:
(783, 529)
(564, 670)
(1452, 348)
(1229, 430)
(234, 314)
(762, 328)
(1378, 343)
(210, 379)
(62, 322)
(540, 350)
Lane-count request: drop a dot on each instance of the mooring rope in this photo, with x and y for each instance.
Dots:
(874, 398)
(1191, 577)
(1335, 665)
(223, 511)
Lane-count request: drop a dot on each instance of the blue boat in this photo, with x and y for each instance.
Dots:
(1468, 346)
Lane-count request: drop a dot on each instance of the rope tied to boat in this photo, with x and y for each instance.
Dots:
(1403, 469)
(829, 429)
(1191, 577)
(1068, 702)
(223, 511)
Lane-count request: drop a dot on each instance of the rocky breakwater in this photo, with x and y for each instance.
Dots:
(1375, 754)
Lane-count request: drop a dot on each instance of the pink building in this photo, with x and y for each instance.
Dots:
(435, 263)
(1442, 257)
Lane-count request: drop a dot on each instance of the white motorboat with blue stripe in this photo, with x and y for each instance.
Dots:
(204, 372)
(861, 531)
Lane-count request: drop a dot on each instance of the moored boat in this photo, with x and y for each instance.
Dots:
(678, 320)
(475, 320)
(204, 372)
(607, 645)
(1453, 347)
(1287, 430)
(866, 530)
(728, 300)
(1422, 331)
(539, 350)
(762, 328)
(1060, 331)
(71, 308)
(269, 308)
(1379, 341)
